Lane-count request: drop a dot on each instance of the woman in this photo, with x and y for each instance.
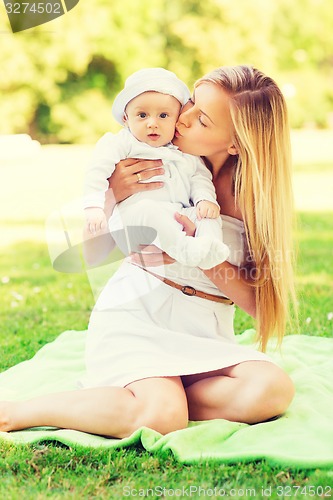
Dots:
(237, 121)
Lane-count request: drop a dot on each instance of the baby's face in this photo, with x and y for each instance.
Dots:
(151, 118)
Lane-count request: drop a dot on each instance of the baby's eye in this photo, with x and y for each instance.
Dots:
(142, 115)
(164, 115)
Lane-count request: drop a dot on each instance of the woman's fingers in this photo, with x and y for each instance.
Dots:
(188, 225)
(144, 175)
(130, 175)
(134, 166)
(150, 256)
(150, 249)
(147, 260)
(145, 170)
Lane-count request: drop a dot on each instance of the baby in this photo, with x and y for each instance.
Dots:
(148, 107)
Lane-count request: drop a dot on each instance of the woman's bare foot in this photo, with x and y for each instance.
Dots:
(7, 410)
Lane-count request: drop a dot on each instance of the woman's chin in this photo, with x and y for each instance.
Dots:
(184, 146)
(177, 141)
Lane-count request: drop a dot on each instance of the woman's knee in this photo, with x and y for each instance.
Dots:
(167, 419)
(161, 405)
(272, 393)
(280, 389)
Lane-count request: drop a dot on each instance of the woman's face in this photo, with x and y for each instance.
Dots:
(204, 127)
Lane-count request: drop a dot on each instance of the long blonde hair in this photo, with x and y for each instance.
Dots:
(263, 190)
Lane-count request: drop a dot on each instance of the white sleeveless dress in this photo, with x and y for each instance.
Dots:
(140, 327)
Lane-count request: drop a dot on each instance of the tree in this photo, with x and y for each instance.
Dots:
(58, 80)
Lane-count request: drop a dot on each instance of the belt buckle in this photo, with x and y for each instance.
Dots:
(188, 290)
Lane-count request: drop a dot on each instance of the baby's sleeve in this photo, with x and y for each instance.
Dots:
(109, 150)
(202, 187)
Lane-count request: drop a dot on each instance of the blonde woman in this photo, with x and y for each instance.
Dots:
(161, 347)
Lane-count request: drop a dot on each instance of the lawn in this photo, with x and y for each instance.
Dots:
(38, 303)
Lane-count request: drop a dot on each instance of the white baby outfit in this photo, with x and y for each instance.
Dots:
(141, 327)
(150, 214)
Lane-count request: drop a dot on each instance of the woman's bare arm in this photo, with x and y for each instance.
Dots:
(231, 280)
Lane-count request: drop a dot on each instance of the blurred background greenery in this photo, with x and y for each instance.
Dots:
(58, 81)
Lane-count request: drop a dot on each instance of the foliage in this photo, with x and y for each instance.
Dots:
(58, 80)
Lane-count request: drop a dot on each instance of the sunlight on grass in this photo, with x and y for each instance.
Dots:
(312, 147)
(316, 279)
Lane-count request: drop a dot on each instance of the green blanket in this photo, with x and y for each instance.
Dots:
(303, 437)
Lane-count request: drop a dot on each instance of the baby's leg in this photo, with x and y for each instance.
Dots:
(205, 227)
(129, 228)
(212, 229)
(205, 251)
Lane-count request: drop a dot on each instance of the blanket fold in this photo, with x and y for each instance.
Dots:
(303, 437)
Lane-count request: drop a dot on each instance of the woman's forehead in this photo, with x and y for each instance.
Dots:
(213, 101)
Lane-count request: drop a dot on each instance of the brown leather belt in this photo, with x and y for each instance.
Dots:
(190, 291)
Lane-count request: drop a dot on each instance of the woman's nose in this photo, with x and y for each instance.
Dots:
(184, 117)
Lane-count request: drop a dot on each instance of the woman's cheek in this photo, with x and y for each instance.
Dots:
(193, 148)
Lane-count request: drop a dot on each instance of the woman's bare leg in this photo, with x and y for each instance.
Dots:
(158, 403)
(250, 392)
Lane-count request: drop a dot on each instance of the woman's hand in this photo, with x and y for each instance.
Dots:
(130, 175)
(151, 256)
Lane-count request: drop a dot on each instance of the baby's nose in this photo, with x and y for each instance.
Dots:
(152, 122)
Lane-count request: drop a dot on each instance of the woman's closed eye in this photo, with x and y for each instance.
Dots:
(201, 122)
(192, 103)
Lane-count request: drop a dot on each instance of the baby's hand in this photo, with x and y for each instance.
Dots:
(207, 210)
(95, 220)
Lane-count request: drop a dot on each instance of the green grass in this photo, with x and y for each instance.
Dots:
(36, 304)
(315, 274)
(321, 166)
